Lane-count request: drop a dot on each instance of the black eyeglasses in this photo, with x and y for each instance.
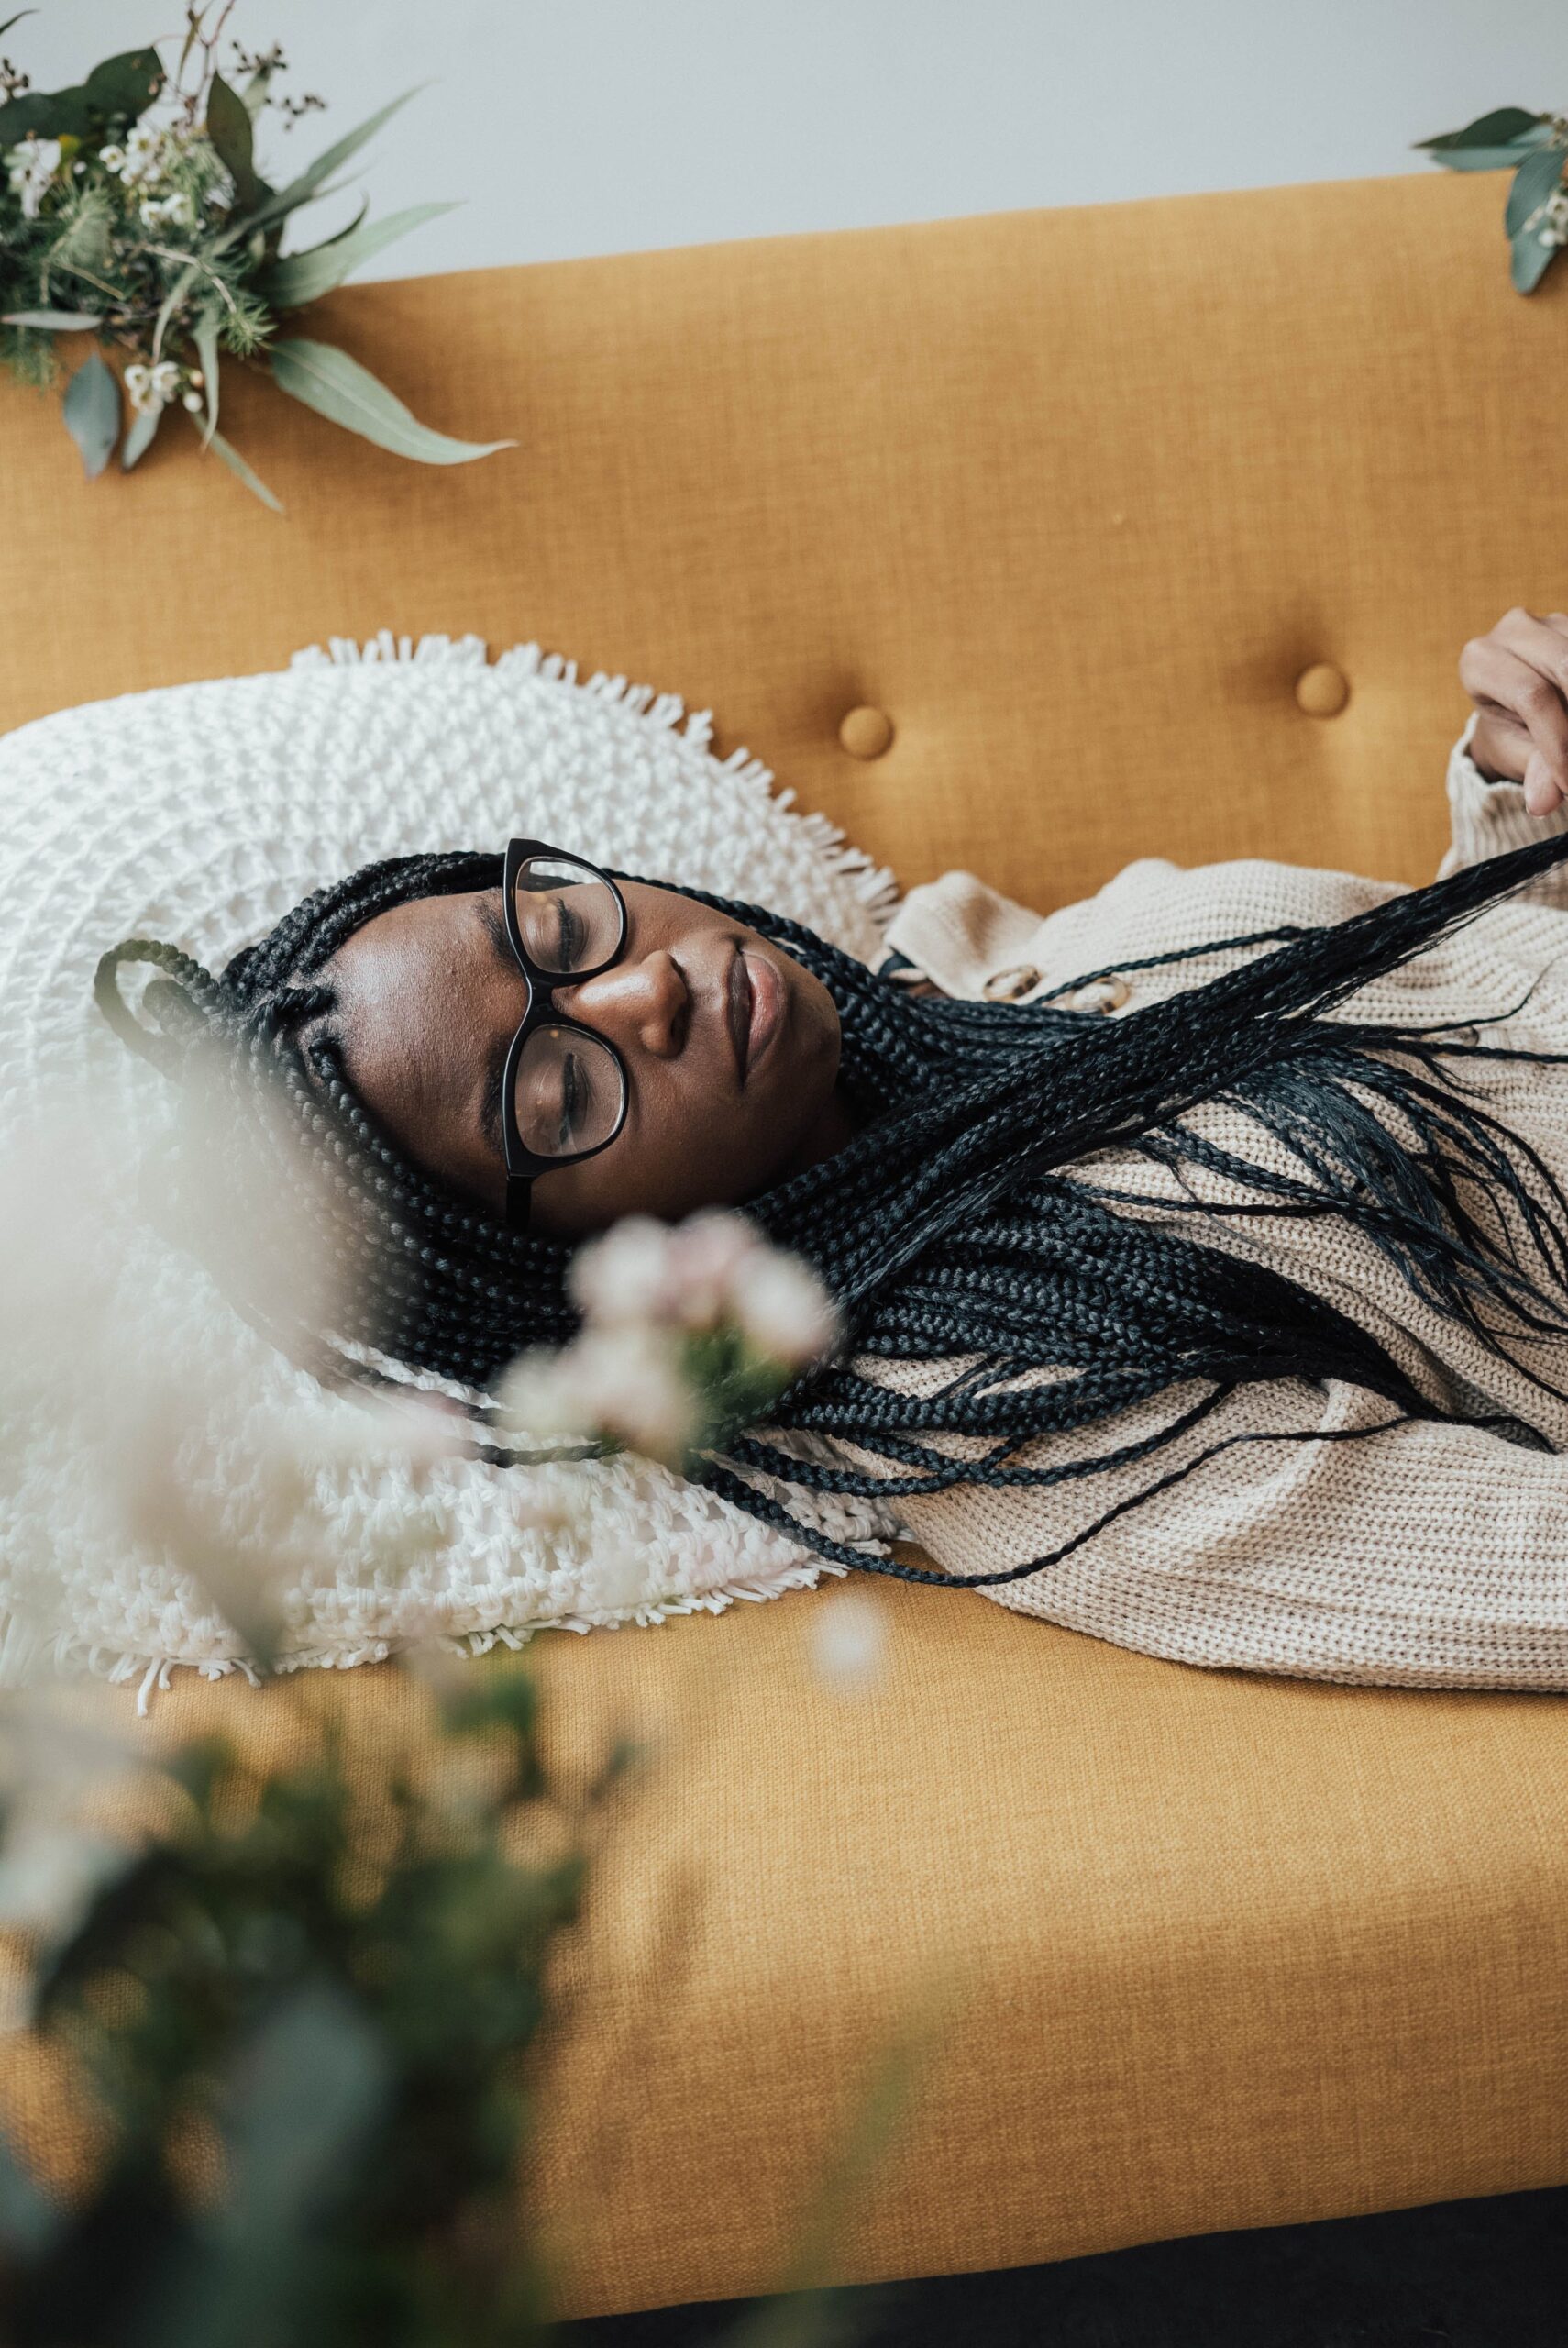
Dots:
(563, 1094)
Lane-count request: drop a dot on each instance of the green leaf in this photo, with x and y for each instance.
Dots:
(304, 277)
(30, 2220)
(304, 2097)
(92, 412)
(1534, 181)
(52, 321)
(203, 334)
(43, 114)
(238, 466)
(140, 438)
(304, 189)
(17, 18)
(116, 91)
(168, 304)
(1530, 260)
(123, 87)
(232, 133)
(327, 379)
(1504, 126)
(1480, 159)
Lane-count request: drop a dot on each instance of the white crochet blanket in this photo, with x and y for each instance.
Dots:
(200, 813)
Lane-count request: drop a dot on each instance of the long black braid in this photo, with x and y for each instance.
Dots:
(950, 1228)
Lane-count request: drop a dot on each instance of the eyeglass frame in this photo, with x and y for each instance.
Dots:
(522, 1164)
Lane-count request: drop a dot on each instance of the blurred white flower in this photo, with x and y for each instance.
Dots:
(175, 207)
(714, 1268)
(627, 1381)
(150, 389)
(624, 1276)
(538, 1402)
(57, 1759)
(707, 1252)
(141, 157)
(49, 1875)
(125, 1400)
(630, 1381)
(783, 1308)
(849, 1642)
(30, 168)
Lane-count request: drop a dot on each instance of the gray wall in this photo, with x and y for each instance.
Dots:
(603, 126)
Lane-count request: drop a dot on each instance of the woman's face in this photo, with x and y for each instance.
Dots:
(730, 1049)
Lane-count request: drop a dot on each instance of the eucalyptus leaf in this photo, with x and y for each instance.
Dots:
(241, 471)
(1504, 126)
(140, 438)
(43, 114)
(123, 87)
(326, 379)
(304, 277)
(92, 413)
(1534, 181)
(30, 2220)
(310, 181)
(1481, 158)
(118, 90)
(304, 2097)
(168, 304)
(52, 321)
(203, 334)
(1530, 260)
(232, 133)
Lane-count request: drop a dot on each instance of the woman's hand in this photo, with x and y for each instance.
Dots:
(1518, 678)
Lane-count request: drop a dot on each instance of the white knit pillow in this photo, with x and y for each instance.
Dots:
(200, 813)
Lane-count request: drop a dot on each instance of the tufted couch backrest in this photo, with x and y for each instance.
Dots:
(1064, 505)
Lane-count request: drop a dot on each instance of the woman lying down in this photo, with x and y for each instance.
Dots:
(1202, 1248)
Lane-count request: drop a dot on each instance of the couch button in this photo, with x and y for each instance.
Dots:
(1321, 691)
(866, 732)
(1006, 986)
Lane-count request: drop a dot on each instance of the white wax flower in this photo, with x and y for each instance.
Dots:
(622, 1276)
(783, 1308)
(707, 1253)
(150, 389)
(539, 1402)
(30, 168)
(629, 1382)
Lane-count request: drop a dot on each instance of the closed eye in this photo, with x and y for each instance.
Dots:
(489, 1105)
(494, 922)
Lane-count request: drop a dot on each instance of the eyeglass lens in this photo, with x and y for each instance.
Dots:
(569, 1088)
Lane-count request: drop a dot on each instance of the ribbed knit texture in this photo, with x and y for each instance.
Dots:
(1433, 1555)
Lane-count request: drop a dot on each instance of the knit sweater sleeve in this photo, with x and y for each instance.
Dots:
(1390, 1554)
(1489, 817)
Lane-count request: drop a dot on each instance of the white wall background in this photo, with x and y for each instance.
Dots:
(602, 125)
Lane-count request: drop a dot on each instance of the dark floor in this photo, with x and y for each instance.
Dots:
(1490, 2274)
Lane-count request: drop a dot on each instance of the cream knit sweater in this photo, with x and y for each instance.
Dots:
(1430, 1556)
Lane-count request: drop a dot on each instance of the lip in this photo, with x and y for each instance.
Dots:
(756, 1007)
(768, 1004)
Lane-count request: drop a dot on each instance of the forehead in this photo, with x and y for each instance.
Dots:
(420, 993)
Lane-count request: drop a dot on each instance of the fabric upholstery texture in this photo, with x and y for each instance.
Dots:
(1075, 498)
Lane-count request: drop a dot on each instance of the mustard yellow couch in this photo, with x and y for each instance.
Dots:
(1076, 499)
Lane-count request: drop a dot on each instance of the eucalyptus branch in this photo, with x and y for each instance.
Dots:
(133, 148)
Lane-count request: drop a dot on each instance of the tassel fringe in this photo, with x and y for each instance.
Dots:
(23, 1648)
(873, 885)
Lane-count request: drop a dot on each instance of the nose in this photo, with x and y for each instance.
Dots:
(646, 1002)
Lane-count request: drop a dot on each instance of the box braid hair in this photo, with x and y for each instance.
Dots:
(950, 1227)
